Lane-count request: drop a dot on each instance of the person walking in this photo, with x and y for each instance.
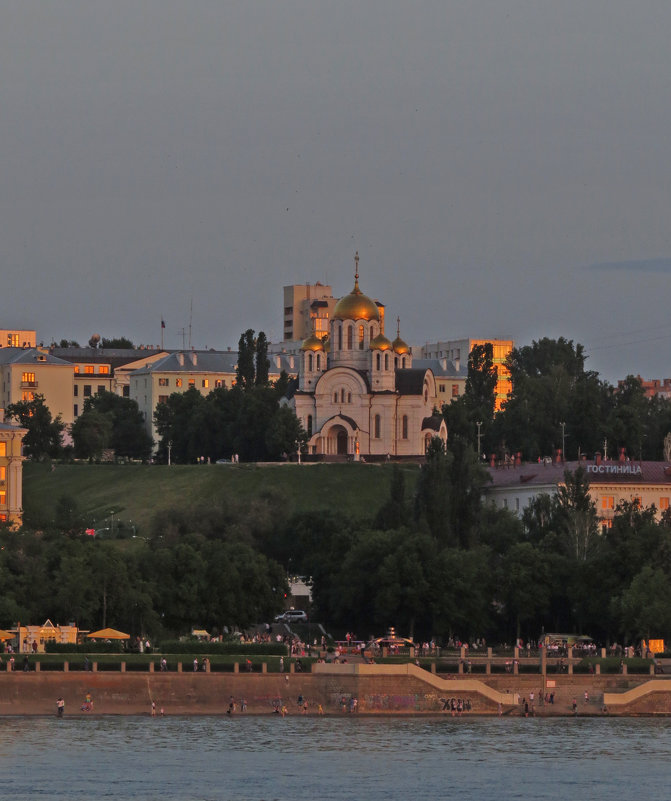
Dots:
(60, 707)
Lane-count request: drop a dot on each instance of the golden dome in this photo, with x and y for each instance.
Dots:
(398, 344)
(356, 305)
(312, 343)
(380, 342)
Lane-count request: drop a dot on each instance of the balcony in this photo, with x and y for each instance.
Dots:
(29, 384)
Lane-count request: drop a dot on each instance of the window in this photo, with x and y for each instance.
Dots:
(342, 396)
(3, 517)
(335, 396)
(3, 473)
(89, 369)
(29, 397)
(403, 362)
(178, 382)
(162, 398)
(192, 383)
(310, 360)
(350, 332)
(77, 369)
(126, 391)
(377, 427)
(76, 390)
(455, 390)
(441, 387)
(3, 449)
(349, 397)
(206, 383)
(87, 390)
(404, 427)
(319, 361)
(378, 361)
(386, 361)
(3, 498)
(340, 337)
(12, 340)
(664, 503)
(164, 382)
(27, 378)
(101, 388)
(76, 410)
(361, 336)
(104, 369)
(219, 383)
(309, 425)
(608, 502)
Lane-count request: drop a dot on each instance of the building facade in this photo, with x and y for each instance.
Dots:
(11, 473)
(27, 372)
(307, 310)
(648, 484)
(357, 393)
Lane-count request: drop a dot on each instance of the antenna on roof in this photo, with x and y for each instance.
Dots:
(190, 319)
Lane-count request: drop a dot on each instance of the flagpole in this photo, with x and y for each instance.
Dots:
(162, 329)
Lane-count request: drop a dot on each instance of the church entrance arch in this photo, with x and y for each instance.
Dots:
(339, 441)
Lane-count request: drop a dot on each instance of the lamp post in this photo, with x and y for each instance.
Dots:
(112, 523)
(563, 432)
(479, 425)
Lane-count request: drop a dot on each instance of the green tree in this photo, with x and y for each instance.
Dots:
(644, 606)
(576, 513)
(262, 363)
(245, 369)
(124, 432)
(43, 437)
(91, 434)
(432, 498)
(121, 343)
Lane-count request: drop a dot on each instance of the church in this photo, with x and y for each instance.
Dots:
(357, 394)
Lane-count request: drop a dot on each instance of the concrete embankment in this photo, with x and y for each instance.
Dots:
(379, 689)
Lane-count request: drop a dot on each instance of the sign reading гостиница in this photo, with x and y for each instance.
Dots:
(615, 469)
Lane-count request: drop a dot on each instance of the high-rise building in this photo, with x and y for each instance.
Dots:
(307, 310)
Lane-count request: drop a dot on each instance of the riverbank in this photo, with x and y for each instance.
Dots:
(378, 690)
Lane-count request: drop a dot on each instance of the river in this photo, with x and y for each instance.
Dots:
(263, 759)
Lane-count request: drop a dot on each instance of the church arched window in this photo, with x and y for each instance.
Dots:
(386, 361)
(349, 397)
(342, 396)
(361, 337)
(378, 361)
(350, 333)
(319, 361)
(340, 336)
(335, 396)
(377, 426)
(310, 357)
(309, 426)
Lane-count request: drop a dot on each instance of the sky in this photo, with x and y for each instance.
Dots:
(501, 166)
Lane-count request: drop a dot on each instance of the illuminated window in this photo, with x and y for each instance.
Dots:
(89, 369)
(3, 518)
(3, 498)
(3, 449)
(178, 382)
(219, 383)
(162, 398)
(377, 427)
(636, 501)
(206, 383)
(164, 382)
(663, 503)
(3, 473)
(28, 378)
(455, 390)
(361, 335)
(192, 383)
(606, 524)
(104, 369)
(77, 369)
(404, 427)
(608, 502)
(12, 340)
(28, 397)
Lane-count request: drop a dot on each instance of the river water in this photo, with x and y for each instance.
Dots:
(253, 758)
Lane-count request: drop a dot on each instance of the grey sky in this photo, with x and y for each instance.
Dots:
(482, 156)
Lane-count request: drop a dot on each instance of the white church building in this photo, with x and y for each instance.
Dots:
(357, 393)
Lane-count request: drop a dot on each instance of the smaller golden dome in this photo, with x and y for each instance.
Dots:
(312, 343)
(380, 342)
(398, 344)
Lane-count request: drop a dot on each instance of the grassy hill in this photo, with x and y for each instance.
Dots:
(136, 492)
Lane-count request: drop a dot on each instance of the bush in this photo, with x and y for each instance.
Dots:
(84, 648)
(246, 649)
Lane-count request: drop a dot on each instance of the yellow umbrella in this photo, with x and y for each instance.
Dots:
(5, 635)
(108, 634)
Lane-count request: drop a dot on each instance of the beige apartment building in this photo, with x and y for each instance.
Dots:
(17, 338)
(27, 372)
(155, 381)
(457, 352)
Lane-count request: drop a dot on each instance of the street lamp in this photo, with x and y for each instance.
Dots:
(479, 425)
(563, 450)
(112, 524)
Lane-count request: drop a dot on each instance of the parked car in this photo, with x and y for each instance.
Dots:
(292, 616)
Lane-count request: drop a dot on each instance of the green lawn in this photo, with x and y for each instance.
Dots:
(135, 492)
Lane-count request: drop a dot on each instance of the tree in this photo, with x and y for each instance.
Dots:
(262, 363)
(245, 369)
(645, 610)
(44, 434)
(476, 406)
(432, 499)
(91, 434)
(577, 518)
(121, 343)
